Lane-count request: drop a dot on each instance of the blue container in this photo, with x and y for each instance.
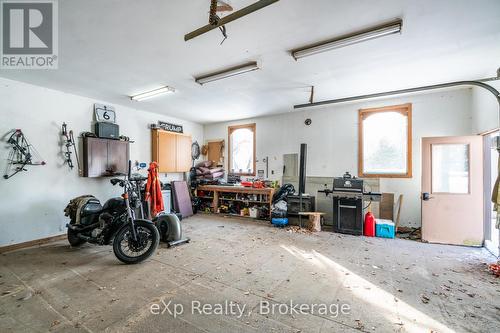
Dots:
(279, 222)
(384, 228)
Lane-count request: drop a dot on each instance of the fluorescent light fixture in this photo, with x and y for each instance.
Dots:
(252, 66)
(346, 40)
(152, 93)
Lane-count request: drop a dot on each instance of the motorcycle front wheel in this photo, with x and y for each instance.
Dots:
(132, 251)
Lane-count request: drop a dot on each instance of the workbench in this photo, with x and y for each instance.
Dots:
(225, 195)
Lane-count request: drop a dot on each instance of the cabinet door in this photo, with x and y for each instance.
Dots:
(215, 152)
(118, 156)
(95, 157)
(183, 153)
(166, 151)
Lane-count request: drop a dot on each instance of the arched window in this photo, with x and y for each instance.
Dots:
(385, 142)
(242, 149)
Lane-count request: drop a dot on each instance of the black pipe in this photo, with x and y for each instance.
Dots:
(302, 174)
(302, 177)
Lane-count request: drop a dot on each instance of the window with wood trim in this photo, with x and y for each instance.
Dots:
(385, 142)
(241, 148)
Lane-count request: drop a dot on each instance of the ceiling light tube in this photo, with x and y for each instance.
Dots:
(252, 66)
(354, 38)
(152, 93)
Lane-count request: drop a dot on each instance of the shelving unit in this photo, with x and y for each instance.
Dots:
(242, 197)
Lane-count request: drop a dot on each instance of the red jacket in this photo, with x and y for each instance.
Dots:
(153, 190)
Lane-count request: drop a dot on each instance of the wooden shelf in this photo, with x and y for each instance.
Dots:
(218, 190)
(242, 200)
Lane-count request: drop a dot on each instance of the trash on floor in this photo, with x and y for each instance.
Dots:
(410, 233)
(494, 269)
(298, 230)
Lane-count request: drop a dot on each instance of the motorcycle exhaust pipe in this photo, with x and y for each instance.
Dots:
(88, 239)
(80, 229)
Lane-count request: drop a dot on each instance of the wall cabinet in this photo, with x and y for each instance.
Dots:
(172, 151)
(104, 157)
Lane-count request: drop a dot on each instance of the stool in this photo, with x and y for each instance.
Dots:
(314, 224)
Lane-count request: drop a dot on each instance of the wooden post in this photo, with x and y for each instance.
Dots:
(216, 201)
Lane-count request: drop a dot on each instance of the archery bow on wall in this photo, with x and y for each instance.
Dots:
(69, 142)
(21, 154)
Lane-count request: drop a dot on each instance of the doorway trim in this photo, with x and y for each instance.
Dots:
(488, 189)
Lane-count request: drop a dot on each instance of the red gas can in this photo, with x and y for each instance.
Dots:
(369, 229)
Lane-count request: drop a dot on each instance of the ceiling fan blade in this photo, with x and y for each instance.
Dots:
(224, 7)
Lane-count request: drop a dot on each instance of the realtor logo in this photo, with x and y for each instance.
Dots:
(29, 37)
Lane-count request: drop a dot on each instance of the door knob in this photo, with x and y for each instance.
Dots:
(426, 196)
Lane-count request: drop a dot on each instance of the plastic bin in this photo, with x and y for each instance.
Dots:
(384, 228)
(279, 221)
(254, 212)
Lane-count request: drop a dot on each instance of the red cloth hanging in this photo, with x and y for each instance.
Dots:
(153, 190)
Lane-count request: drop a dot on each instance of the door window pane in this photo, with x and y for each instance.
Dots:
(450, 168)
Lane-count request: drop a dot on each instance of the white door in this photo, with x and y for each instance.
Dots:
(452, 190)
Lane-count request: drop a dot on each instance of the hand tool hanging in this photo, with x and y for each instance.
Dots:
(21, 154)
(69, 141)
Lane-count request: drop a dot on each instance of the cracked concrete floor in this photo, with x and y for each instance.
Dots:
(377, 285)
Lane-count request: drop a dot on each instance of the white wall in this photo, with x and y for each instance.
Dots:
(484, 109)
(32, 202)
(332, 138)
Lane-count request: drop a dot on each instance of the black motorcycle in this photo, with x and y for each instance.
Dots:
(134, 240)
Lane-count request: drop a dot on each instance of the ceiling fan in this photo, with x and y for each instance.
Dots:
(217, 6)
(215, 21)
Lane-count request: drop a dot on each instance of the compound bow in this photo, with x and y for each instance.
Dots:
(69, 141)
(21, 154)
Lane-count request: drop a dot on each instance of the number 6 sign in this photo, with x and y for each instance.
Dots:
(104, 113)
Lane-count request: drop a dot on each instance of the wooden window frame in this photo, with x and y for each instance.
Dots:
(230, 130)
(404, 109)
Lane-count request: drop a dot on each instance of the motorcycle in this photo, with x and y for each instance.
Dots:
(134, 240)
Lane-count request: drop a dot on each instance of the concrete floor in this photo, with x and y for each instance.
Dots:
(388, 285)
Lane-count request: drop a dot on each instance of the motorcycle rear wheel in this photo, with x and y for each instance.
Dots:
(73, 238)
(130, 252)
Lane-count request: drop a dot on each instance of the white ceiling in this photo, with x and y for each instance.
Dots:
(110, 49)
